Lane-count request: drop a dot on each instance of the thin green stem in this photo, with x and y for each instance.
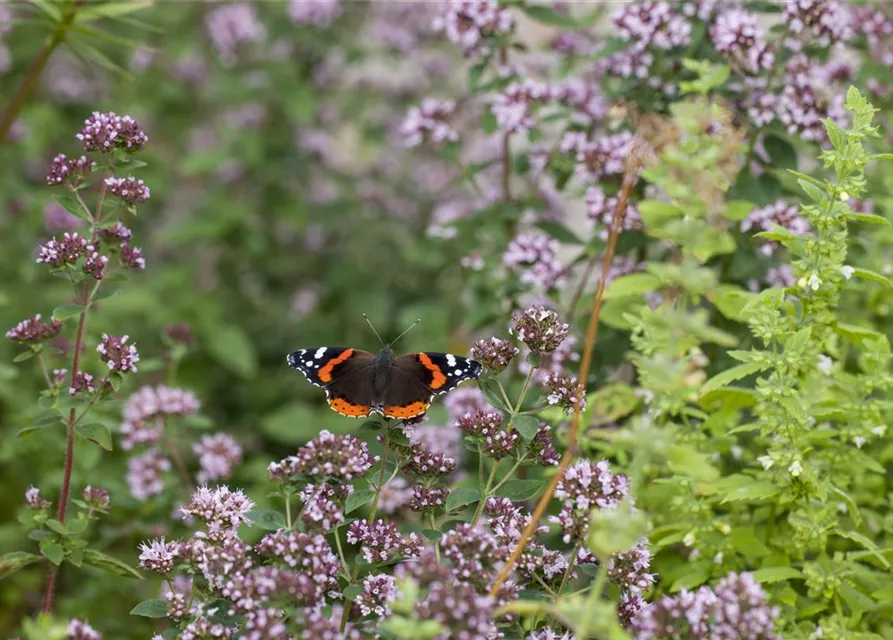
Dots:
(510, 473)
(485, 494)
(46, 373)
(524, 390)
(344, 566)
(570, 567)
(548, 589)
(505, 398)
(288, 521)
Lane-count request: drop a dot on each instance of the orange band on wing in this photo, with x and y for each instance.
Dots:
(408, 411)
(325, 372)
(438, 379)
(345, 408)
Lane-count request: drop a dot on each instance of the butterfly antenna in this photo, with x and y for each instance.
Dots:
(369, 322)
(407, 330)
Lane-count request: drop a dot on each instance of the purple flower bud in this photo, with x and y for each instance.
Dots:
(429, 122)
(221, 508)
(378, 592)
(118, 355)
(494, 354)
(564, 391)
(81, 383)
(217, 455)
(33, 499)
(342, 457)
(78, 630)
(63, 253)
(94, 266)
(97, 497)
(427, 499)
(132, 257)
(131, 190)
(115, 233)
(469, 24)
(534, 255)
(69, 171)
(540, 329)
(106, 131)
(158, 555)
(34, 330)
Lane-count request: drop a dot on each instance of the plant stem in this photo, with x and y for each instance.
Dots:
(629, 180)
(288, 512)
(524, 390)
(46, 373)
(35, 69)
(485, 494)
(356, 567)
(570, 566)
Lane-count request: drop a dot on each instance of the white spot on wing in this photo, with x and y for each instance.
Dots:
(457, 372)
(451, 360)
(319, 353)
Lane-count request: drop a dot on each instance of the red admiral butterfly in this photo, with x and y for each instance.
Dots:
(358, 383)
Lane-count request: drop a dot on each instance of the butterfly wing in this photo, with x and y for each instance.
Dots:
(346, 375)
(418, 377)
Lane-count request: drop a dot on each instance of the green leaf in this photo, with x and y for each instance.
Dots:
(109, 564)
(520, 490)
(16, 561)
(462, 497)
(52, 551)
(25, 355)
(737, 210)
(268, 519)
(866, 542)
(96, 11)
(559, 232)
(96, 433)
(865, 274)
(723, 378)
(695, 578)
(55, 525)
(490, 388)
(871, 218)
(731, 300)
(68, 310)
(781, 152)
(741, 488)
(745, 542)
(150, 609)
(351, 592)
(527, 426)
(655, 213)
(857, 335)
(775, 574)
(686, 461)
(549, 16)
(357, 499)
(231, 347)
(632, 284)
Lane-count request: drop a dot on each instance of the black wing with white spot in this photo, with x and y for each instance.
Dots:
(323, 365)
(440, 372)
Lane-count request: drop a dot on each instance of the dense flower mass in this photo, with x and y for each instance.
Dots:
(494, 354)
(64, 170)
(221, 508)
(117, 354)
(540, 329)
(469, 24)
(533, 255)
(585, 486)
(65, 252)
(158, 555)
(380, 541)
(779, 213)
(231, 25)
(81, 382)
(738, 35)
(431, 121)
(131, 190)
(80, 630)
(314, 12)
(735, 610)
(105, 132)
(146, 409)
(34, 330)
(144, 474)
(342, 457)
(217, 455)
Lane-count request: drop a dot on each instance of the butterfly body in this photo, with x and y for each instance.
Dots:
(358, 382)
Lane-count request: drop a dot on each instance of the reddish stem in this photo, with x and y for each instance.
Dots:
(629, 180)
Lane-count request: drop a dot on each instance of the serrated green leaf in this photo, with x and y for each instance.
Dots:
(462, 497)
(857, 335)
(97, 433)
(150, 609)
(267, 519)
(109, 564)
(775, 574)
(16, 561)
(815, 193)
(527, 426)
(357, 499)
(745, 542)
(68, 310)
(55, 525)
(732, 374)
(866, 542)
(520, 490)
(25, 355)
